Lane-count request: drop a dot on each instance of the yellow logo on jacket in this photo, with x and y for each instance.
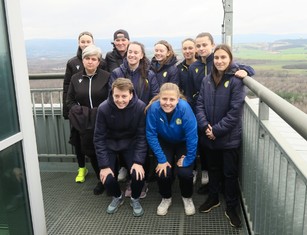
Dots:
(165, 74)
(196, 70)
(226, 84)
(178, 121)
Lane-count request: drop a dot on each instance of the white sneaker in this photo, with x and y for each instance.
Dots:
(189, 207)
(122, 174)
(204, 177)
(194, 176)
(164, 205)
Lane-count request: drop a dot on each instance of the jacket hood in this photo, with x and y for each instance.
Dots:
(125, 66)
(126, 69)
(170, 62)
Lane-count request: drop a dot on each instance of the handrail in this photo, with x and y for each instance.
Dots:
(42, 76)
(296, 118)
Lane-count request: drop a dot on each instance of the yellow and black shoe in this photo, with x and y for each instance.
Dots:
(82, 172)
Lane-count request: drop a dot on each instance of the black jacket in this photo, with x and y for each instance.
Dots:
(82, 120)
(183, 73)
(114, 59)
(73, 66)
(81, 84)
(84, 96)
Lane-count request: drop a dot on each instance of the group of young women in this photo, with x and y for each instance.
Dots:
(143, 105)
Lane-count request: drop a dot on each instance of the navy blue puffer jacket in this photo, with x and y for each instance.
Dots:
(167, 72)
(120, 129)
(221, 106)
(145, 89)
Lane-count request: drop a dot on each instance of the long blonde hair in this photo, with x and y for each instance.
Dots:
(168, 86)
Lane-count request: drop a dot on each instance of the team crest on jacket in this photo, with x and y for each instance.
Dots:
(165, 74)
(226, 84)
(78, 66)
(196, 70)
(80, 80)
(178, 121)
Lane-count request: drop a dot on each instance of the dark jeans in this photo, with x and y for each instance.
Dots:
(111, 183)
(80, 155)
(223, 163)
(185, 174)
(202, 158)
(94, 163)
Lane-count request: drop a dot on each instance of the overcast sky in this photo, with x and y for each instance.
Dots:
(164, 18)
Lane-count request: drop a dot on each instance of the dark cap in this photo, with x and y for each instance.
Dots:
(121, 31)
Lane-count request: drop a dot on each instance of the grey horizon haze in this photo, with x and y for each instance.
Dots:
(58, 19)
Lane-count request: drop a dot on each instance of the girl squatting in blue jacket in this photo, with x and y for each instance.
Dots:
(171, 131)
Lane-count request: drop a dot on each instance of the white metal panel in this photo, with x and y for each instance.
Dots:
(22, 88)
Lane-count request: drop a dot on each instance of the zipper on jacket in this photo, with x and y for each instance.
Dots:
(90, 91)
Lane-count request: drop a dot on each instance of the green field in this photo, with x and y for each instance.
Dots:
(279, 58)
(263, 53)
(280, 66)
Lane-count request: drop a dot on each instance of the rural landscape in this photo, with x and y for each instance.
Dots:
(280, 65)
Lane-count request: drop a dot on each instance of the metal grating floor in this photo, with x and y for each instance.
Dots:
(72, 208)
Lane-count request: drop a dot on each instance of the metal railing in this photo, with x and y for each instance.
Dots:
(52, 130)
(273, 177)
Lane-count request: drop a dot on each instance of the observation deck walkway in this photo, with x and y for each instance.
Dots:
(273, 177)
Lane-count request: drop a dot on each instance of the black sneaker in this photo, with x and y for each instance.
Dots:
(99, 189)
(204, 189)
(234, 219)
(209, 204)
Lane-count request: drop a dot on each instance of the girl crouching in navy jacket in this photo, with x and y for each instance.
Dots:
(171, 131)
(120, 129)
(136, 67)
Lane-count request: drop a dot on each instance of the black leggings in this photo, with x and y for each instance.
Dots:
(185, 174)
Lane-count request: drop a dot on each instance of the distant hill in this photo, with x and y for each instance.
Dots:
(288, 44)
(279, 60)
(58, 48)
(66, 48)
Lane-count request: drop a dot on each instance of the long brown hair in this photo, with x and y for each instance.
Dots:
(143, 65)
(215, 73)
(168, 86)
(169, 49)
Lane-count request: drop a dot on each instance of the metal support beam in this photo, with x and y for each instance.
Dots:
(227, 25)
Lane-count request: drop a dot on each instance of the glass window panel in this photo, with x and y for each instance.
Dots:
(8, 111)
(14, 202)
